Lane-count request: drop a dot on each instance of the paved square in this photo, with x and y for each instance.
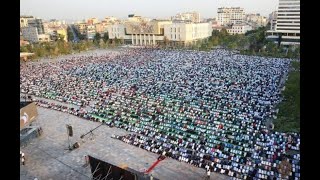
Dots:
(48, 159)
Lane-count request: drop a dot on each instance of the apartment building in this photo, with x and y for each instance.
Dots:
(288, 23)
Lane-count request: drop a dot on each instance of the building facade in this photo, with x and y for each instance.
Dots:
(187, 33)
(81, 28)
(91, 31)
(239, 29)
(157, 31)
(188, 17)
(30, 34)
(256, 20)
(232, 15)
(37, 23)
(44, 38)
(273, 20)
(24, 20)
(288, 23)
(92, 21)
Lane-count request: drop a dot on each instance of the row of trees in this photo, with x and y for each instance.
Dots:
(60, 47)
(252, 43)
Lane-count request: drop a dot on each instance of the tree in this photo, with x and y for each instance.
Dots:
(223, 33)
(70, 34)
(23, 49)
(279, 39)
(97, 38)
(105, 37)
(102, 44)
(271, 47)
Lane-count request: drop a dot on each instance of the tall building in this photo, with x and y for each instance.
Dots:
(288, 23)
(187, 16)
(232, 15)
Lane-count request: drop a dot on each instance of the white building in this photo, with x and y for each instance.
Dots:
(117, 31)
(288, 23)
(187, 33)
(232, 15)
(239, 29)
(139, 33)
(155, 32)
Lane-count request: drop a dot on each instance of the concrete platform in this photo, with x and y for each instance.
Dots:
(47, 157)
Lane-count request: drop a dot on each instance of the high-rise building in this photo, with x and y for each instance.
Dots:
(232, 15)
(288, 23)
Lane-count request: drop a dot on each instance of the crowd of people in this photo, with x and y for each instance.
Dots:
(208, 109)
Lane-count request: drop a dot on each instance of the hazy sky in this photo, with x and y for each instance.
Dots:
(81, 9)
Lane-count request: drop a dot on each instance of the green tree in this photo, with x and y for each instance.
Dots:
(24, 49)
(70, 34)
(105, 37)
(97, 38)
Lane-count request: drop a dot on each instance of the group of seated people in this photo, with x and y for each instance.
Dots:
(203, 108)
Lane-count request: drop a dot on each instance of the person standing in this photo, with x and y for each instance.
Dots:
(23, 160)
(208, 174)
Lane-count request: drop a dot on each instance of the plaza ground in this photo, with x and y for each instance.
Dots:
(47, 157)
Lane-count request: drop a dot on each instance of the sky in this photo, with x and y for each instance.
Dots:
(83, 9)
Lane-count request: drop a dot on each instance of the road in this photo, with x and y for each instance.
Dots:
(75, 37)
